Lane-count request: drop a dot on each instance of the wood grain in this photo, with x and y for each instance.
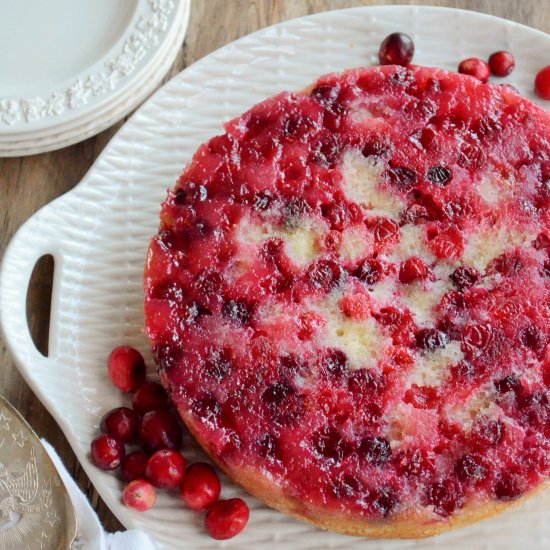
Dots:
(28, 183)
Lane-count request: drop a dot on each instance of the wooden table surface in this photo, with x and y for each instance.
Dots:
(28, 183)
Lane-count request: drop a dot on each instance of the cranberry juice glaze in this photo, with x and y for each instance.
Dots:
(349, 293)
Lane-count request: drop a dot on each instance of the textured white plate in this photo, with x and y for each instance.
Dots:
(48, 139)
(96, 61)
(98, 234)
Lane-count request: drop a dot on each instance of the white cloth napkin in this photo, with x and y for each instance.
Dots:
(91, 535)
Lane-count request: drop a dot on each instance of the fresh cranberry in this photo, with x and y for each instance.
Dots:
(201, 486)
(139, 495)
(396, 49)
(542, 83)
(165, 469)
(501, 63)
(151, 396)
(413, 269)
(107, 452)
(226, 518)
(473, 66)
(133, 466)
(126, 368)
(121, 423)
(160, 429)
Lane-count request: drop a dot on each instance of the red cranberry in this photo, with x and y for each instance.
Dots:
(356, 306)
(107, 452)
(369, 271)
(439, 175)
(402, 177)
(501, 63)
(465, 277)
(422, 397)
(310, 323)
(325, 275)
(150, 397)
(226, 518)
(133, 466)
(475, 67)
(375, 450)
(160, 429)
(218, 363)
(385, 231)
(431, 339)
(413, 269)
(165, 469)
(334, 363)
(383, 501)
(396, 49)
(126, 368)
(509, 486)
(239, 311)
(415, 462)
(329, 444)
(470, 468)
(201, 486)
(475, 338)
(121, 423)
(509, 383)
(444, 497)
(487, 433)
(362, 381)
(140, 495)
(542, 83)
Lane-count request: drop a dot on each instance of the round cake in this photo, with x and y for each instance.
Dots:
(348, 300)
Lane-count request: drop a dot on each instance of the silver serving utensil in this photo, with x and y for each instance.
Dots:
(35, 508)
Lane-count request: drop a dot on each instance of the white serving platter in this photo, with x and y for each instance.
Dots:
(98, 234)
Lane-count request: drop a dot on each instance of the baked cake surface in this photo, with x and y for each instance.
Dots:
(348, 299)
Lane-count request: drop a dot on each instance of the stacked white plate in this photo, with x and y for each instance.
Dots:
(71, 68)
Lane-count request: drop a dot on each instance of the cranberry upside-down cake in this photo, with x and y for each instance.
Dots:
(348, 300)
